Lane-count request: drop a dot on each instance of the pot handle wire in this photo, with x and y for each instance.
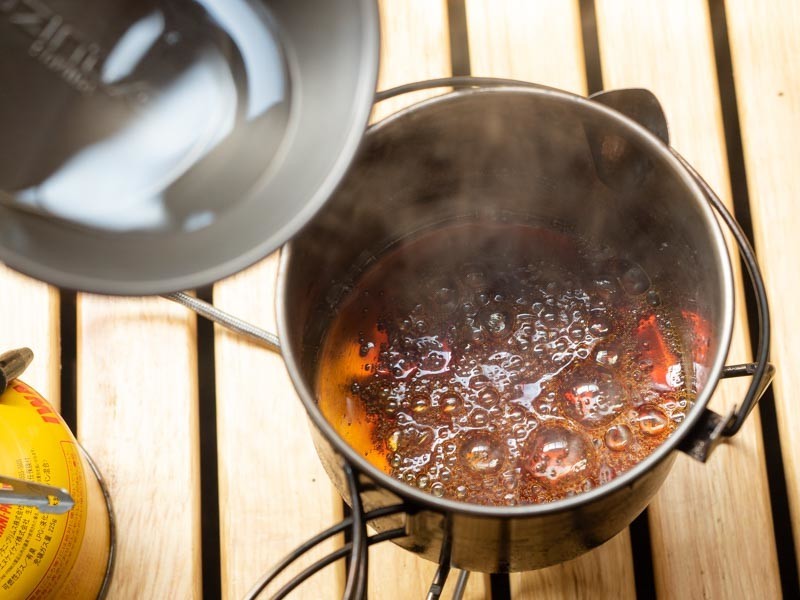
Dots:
(227, 320)
(461, 81)
(760, 369)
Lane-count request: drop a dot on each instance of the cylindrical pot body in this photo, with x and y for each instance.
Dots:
(511, 153)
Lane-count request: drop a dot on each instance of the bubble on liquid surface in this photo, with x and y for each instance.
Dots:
(420, 404)
(559, 455)
(451, 402)
(479, 417)
(496, 322)
(652, 420)
(443, 295)
(605, 288)
(599, 325)
(482, 454)
(618, 438)
(488, 397)
(607, 356)
(634, 280)
(593, 397)
(475, 278)
(606, 473)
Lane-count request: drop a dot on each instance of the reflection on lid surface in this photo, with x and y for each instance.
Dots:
(133, 116)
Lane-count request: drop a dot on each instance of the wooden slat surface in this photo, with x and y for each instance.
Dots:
(137, 416)
(765, 48)
(273, 491)
(415, 45)
(532, 40)
(29, 316)
(711, 524)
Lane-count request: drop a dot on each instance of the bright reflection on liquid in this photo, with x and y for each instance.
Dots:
(182, 102)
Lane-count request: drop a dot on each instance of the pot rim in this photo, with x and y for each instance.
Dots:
(628, 478)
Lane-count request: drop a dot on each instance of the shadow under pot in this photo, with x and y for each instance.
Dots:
(516, 179)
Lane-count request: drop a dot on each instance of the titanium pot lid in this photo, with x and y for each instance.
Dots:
(156, 146)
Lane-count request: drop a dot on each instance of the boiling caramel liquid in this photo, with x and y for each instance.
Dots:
(502, 364)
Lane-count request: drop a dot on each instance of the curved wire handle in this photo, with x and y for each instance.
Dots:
(227, 320)
(761, 369)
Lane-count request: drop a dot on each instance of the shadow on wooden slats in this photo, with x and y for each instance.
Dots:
(710, 524)
(765, 47)
(29, 316)
(541, 42)
(137, 416)
(273, 491)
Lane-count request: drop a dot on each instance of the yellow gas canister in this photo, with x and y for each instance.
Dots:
(56, 526)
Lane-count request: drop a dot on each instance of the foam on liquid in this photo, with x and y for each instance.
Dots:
(503, 364)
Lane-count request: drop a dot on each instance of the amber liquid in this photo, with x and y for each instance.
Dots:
(502, 364)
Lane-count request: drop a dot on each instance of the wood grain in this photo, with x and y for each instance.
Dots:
(415, 45)
(541, 41)
(711, 524)
(532, 40)
(29, 316)
(605, 572)
(137, 417)
(273, 491)
(765, 48)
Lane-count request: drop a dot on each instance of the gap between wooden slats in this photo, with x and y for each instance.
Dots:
(765, 49)
(710, 524)
(137, 416)
(541, 41)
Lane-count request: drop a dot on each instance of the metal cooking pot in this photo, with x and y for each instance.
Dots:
(157, 146)
(520, 149)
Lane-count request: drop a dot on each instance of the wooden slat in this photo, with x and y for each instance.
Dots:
(711, 524)
(605, 572)
(765, 48)
(137, 416)
(273, 491)
(541, 41)
(29, 316)
(532, 40)
(415, 45)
